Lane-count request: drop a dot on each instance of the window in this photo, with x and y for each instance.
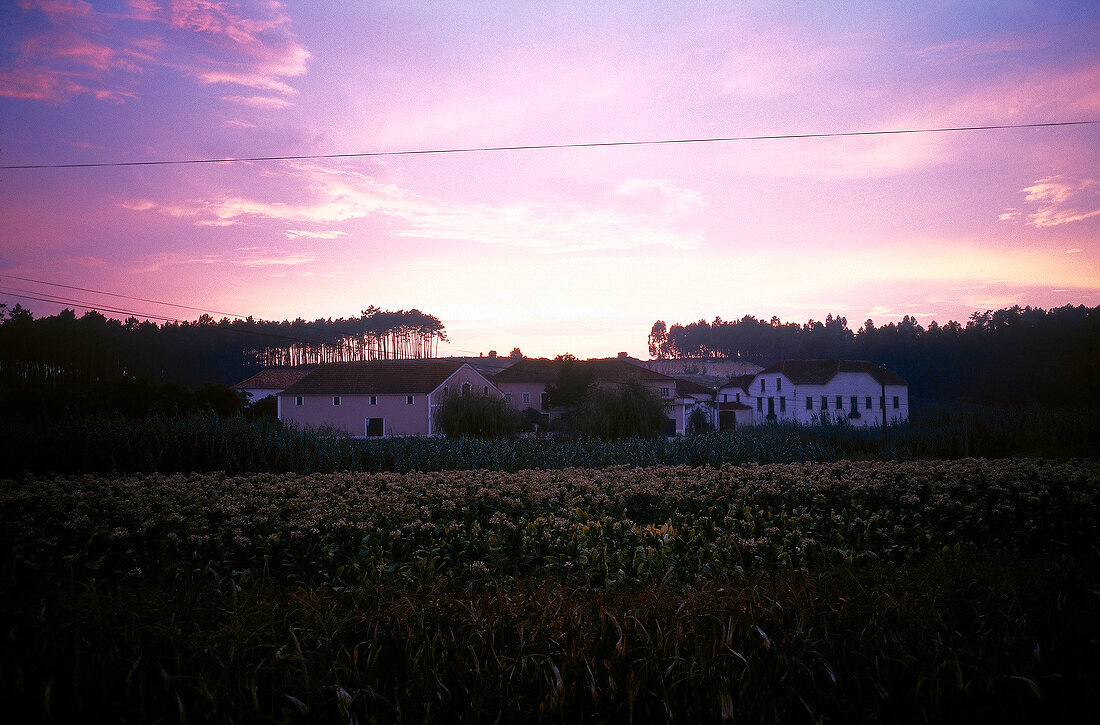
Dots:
(409, 400)
(486, 389)
(809, 402)
(759, 405)
(374, 427)
(507, 397)
(761, 385)
(824, 403)
(665, 392)
(854, 403)
(374, 400)
(782, 404)
(778, 384)
(725, 398)
(526, 397)
(336, 400)
(738, 397)
(896, 401)
(840, 402)
(868, 402)
(465, 388)
(298, 400)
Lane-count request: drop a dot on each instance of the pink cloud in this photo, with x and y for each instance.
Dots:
(655, 213)
(965, 48)
(302, 234)
(104, 53)
(259, 102)
(58, 7)
(1056, 201)
(35, 84)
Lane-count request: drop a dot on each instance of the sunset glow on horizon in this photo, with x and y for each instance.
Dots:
(552, 250)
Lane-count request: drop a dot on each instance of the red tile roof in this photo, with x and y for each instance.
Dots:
(275, 378)
(740, 381)
(605, 369)
(819, 372)
(379, 377)
(690, 387)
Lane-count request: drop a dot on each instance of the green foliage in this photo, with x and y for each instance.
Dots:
(130, 398)
(204, 442)
(595, 527)
(573, 383)
(626, 410)
(477, 415)
(698, 422)
(266, 407)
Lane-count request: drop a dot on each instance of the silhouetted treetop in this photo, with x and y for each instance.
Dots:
(93, 347)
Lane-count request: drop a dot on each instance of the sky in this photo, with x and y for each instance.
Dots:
(577, 249)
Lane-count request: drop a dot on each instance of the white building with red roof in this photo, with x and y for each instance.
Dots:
(379, 398)
(812, 391)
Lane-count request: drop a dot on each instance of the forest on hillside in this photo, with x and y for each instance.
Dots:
(67, 350)
(1011, 356)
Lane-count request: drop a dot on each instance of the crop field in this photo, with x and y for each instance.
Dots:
(207, 443)
(960, 590)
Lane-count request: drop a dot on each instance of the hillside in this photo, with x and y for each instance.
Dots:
(705, 371)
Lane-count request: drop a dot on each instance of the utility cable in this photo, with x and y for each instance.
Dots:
(126, 297)
(543, 147)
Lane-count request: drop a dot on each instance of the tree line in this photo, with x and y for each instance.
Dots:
(66, 349)
(1015, 355)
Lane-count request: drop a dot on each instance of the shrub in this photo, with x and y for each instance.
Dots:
(477, 415)
(626, 411)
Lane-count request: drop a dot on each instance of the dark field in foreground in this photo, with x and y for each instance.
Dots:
(849, 592)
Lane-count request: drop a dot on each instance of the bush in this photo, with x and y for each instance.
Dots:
(476, 415)
(627, 411)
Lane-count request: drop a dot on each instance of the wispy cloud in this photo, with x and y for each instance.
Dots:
(248, 257)
(259, 101)
(1055, 201)
(637, 213)
(81, 50)
(663, 194)
(287, 260)
(966, 48)
(302, 234)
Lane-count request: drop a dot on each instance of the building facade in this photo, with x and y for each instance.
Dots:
(378, 398)
(815, 391)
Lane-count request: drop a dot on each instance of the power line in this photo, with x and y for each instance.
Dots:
(542, 147)
(127, 297)
(23, 294)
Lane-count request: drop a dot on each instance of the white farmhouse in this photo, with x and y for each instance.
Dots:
(812, 391)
